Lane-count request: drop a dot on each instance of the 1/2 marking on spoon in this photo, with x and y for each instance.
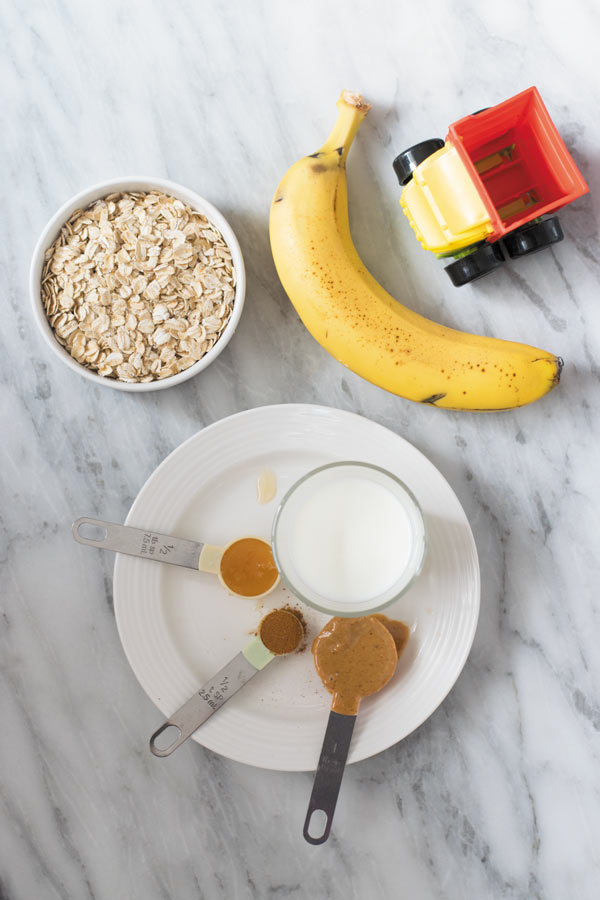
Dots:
(150, 544)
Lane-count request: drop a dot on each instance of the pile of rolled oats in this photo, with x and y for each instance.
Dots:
(138, 286)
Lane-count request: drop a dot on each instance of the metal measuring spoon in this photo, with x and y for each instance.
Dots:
(354, 658)
(228, 681)
(166, 548)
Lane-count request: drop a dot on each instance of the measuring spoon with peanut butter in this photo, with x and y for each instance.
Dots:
(354, 659)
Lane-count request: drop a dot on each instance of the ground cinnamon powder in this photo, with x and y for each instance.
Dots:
(281, 631)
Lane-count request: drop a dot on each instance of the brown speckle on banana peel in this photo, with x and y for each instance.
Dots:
(558, 363)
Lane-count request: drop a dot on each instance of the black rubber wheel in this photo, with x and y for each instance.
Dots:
(407, 161)
(477, 264)
(531, 238)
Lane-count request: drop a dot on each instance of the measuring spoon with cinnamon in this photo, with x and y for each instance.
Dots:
(354, 659)
(280, 632)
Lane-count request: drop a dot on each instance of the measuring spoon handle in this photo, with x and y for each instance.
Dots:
(207, 700)
(330, 771)
(139, 542)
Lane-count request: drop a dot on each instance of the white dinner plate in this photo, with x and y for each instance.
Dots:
(178, 627)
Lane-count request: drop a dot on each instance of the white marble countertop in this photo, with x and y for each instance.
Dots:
(498, 794)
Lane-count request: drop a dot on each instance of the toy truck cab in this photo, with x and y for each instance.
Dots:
(493, 178)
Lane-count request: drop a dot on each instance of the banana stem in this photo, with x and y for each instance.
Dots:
(352, 110)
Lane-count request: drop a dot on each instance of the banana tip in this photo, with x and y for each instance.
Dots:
(350, 98)
(559, 367)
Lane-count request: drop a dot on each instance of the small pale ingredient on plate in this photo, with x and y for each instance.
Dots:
(138, 286)
(248, 568)
(357, 657)
(266, 486)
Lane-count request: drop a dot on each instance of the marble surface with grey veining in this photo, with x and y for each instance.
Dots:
(497, 795)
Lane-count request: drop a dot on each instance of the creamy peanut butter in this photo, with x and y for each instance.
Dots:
(354, 658)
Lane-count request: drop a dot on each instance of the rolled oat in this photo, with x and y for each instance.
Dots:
(138, 286)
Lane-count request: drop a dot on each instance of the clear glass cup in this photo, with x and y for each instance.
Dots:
(285, 534)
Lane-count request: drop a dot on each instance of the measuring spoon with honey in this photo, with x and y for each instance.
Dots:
(354, 657)
(280, 632)
(245, 567)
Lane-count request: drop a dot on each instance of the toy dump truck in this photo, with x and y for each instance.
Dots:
(489, 186)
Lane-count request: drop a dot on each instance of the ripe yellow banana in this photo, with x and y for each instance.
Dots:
(359, 323)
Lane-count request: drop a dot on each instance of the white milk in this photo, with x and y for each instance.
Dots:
(350, 539)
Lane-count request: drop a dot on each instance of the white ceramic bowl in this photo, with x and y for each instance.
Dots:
(83, 199)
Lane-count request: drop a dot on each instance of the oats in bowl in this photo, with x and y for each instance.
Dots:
(138, 286)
